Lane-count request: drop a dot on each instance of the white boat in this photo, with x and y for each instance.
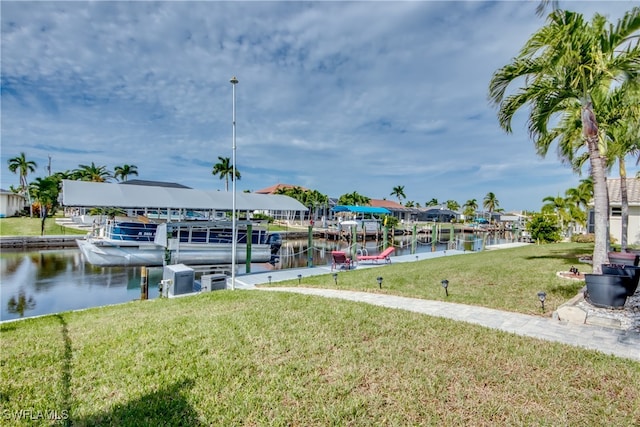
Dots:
(132, 243)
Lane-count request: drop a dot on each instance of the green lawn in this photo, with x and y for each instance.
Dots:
(25, 226)
(268, 358)
(506, 279)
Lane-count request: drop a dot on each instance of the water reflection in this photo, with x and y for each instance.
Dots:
(45, 282)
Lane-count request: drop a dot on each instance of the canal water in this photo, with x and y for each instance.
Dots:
(52, 281)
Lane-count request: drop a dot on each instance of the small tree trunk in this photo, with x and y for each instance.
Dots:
(600, 194)
(624, 198)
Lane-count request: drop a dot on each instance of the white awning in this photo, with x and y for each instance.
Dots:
(100, 194)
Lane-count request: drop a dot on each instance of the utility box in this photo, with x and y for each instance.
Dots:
(177, 279)
(213, 282)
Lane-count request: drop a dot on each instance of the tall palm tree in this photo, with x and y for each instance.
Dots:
(224, 169)
(92, 173)
(22, 166)
(398, 191)
(560, 67)
(623, 137)
(124, 171)
(490, 202)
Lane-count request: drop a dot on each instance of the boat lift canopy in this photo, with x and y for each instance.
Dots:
(100, 194)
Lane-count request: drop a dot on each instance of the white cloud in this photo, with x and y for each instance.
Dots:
(335, 96)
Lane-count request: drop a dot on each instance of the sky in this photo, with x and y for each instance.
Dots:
(332, 96)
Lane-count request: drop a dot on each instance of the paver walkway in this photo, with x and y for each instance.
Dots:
(607, 340)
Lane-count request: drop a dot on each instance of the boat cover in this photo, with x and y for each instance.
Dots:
(101, 194)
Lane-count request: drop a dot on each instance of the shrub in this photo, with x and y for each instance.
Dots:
(583, 238)
(544, 228)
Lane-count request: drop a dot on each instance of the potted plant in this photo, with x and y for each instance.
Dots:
(624, 258)
(624, 270)
(607, 290)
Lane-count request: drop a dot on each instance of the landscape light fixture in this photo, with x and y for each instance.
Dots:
(542, 296)
(335, 278)
(445, 285)
(299, 277)
(269, 277)
(234, 233)
(379, 279)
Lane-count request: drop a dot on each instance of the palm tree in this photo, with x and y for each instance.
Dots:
(92, 173)
(354, 198)
(560, 67)
(559, 207)
(22, 166)
(124, 171)
(432, 202)
(398, 191)
(490, 202)
(224, 169)
(470, 208)
(452, 205)
(622, 116)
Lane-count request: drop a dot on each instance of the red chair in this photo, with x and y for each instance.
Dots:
(384, 255)
(340, 260)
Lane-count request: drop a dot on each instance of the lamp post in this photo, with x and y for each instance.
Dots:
(542, 296)
(445, 285)
(234, 232)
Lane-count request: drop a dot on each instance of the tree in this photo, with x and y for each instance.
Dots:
(432, 202)
(224, 169)
(470, 207)
(22, 167)
(398, 191)
(560, 67)
(543, 228)
(622, 130)
(490, 202)
(452, 205)
(352, 199)
(92, 173)
(124, 171)
(45, 191)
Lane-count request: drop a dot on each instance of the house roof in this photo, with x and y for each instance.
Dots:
(389, 204)
(274, 188)
(100, 194)
(153, 183)
(633, 191)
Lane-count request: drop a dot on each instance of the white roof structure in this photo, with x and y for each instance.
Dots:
(100, 194)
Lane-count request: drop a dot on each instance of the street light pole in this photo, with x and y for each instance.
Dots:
(234, 231)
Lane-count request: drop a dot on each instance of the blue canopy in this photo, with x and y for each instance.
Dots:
(361, 209)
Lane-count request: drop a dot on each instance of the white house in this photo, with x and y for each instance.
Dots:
(11, 203)
(615, 210)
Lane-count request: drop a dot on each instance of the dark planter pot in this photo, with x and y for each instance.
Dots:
(607, 290)
(623, 258)
(626, 270)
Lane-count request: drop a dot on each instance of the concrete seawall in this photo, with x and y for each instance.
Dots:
(39, 242)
